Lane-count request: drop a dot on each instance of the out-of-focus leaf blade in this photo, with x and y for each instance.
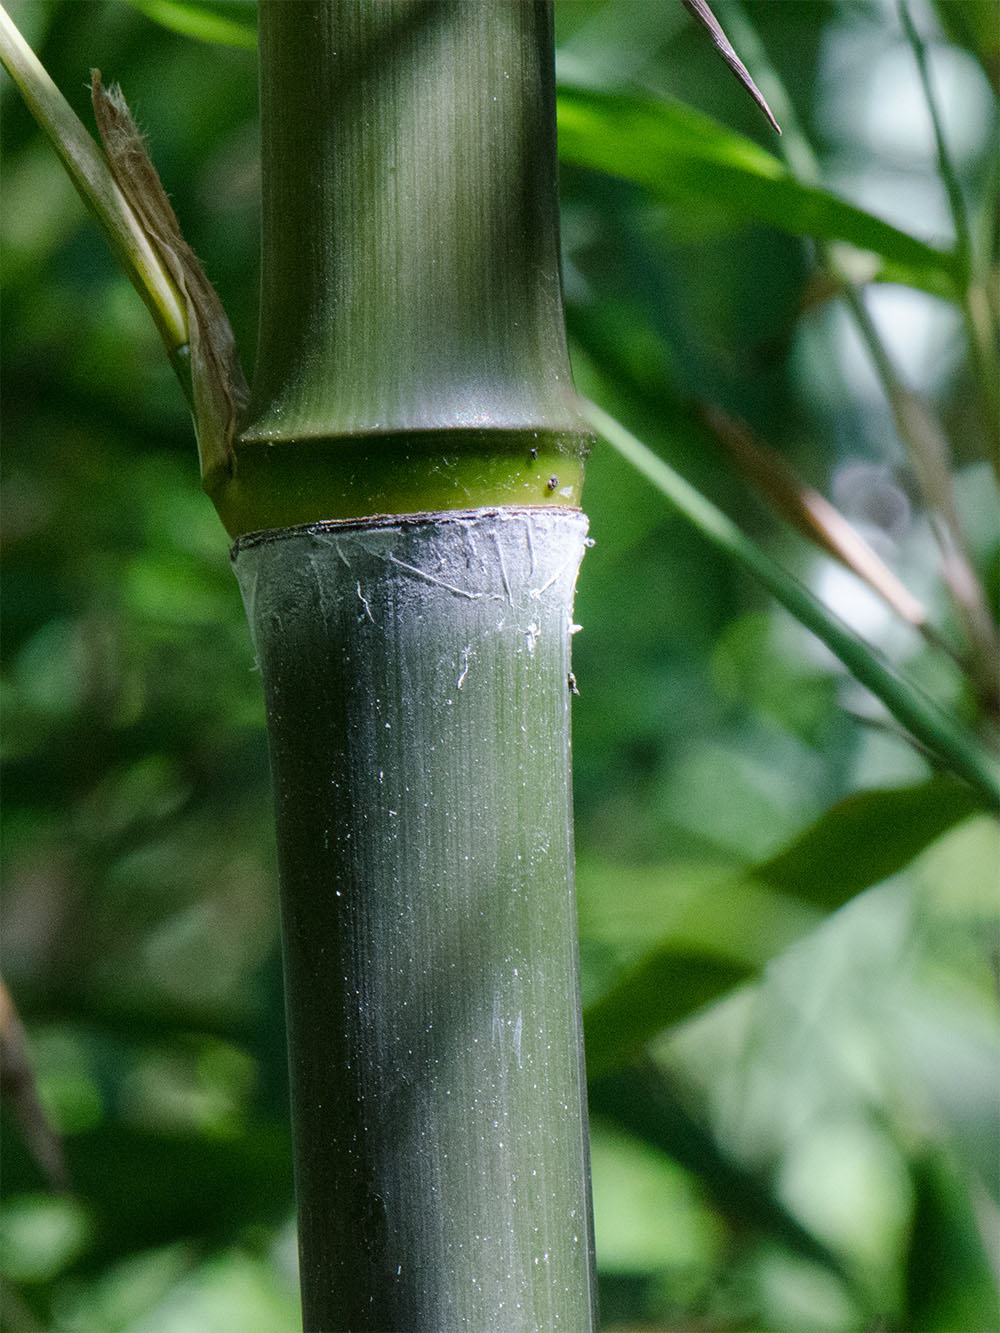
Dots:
(194, 20)
(641, 1100)
(949, 1284)
(859, 842)
(699, 908)
(664, 988)
(191, 1185)
(684, 157)
(974, 24)
(864, 839)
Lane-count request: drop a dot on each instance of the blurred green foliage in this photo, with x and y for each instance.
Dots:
(788, 925)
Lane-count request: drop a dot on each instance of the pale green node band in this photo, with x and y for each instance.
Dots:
(412, 352)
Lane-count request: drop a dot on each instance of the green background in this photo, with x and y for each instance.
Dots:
(795, 1053)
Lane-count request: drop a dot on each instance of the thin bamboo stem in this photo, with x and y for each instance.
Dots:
(919, 430)
(942, 736)
(980, 335)
(88, 169)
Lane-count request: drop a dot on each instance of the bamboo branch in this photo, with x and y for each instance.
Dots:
(816, 519)
(89, 171)
(123, 191)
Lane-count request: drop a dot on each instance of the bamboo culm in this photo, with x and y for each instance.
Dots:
(417, 680)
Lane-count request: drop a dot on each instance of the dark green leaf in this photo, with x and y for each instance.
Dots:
(864, 839)
(949, 1284)
(665, 987)
(684, 157)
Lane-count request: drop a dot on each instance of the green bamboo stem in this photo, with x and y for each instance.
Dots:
(412, 353)
(412, 362)
(416, 676)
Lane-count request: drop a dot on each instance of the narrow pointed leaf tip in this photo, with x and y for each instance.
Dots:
(700, 10)
(219, 389)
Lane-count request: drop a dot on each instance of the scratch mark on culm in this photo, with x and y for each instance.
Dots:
(466, 652)
(324, 539)
(365, 604)
(429, 578)
(531, 549)
(321, 585)
(537, 592)
(503, 569)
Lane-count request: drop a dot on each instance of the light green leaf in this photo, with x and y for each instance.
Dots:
(685, 158)
(194, 20)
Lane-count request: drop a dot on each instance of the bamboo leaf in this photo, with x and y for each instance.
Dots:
(194, 20)
(864, 839)
(641, 1100)
(666, 987)
(859, 842)
(686, 158)
(949, 1279)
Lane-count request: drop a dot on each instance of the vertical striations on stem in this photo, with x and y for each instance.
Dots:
(416, 672)
(411, 307)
